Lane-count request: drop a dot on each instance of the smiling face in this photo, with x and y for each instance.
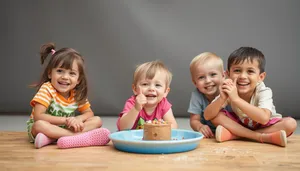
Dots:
(248, 76)
(154, 89)
(65, 80)
(207, 77)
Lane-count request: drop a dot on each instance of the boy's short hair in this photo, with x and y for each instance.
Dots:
(203, 58)
(247, 53)
(150, 69)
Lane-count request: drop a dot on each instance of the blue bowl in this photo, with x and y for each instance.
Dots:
(131, 141)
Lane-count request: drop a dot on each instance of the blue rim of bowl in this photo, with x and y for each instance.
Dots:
(190, 140)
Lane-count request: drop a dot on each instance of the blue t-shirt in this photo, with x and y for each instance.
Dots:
(198, 103)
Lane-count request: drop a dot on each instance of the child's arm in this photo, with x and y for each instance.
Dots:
(257, 114)
(128, 119)
(169, 117)
(40, 114)
(195, 122)
(88, 113)
(199, 127)
(77, 123)
(215, 106)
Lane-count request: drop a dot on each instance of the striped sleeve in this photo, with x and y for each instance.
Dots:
(43, 96)
(84, 106)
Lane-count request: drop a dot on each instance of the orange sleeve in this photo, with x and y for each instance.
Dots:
(43, 96)
(84, 106)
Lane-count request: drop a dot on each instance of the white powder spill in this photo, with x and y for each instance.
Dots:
(234, 151)
(183, 158)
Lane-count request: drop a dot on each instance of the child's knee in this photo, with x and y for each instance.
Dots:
(39, 126)
(218, 119)
(99, 121)
(96, 120)
(290, 125)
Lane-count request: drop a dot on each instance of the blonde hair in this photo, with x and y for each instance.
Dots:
(203, 58)
(149, 69)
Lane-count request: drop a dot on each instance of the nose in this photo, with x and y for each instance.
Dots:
(64, 76)
(243, 75)
(151, 87)
(208, 79)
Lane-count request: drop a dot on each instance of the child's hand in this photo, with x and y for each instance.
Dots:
(75, 123)
(140, 100)
(206, 131)
(230, 89)
(223, 95)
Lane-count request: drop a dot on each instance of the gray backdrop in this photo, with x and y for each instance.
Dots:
(116, 35)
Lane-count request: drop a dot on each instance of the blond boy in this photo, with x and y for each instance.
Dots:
(207, 74)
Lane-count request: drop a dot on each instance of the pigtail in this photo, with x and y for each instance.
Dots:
(63, 58)
(44, 53)
(45, 50)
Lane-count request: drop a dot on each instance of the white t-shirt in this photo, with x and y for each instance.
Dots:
(262, 98)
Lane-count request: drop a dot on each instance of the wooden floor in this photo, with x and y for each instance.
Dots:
(16, 153)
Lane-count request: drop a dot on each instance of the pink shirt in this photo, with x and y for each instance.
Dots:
(161, 109)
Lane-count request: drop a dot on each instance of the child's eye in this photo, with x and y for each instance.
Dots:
(157, 85)
(237, 70)
(59, 70)
(201, 78)
(73, 73)
(251, 71)
(144, 84)
(213, 74)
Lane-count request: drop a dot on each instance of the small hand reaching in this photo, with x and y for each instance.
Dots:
(206, 131)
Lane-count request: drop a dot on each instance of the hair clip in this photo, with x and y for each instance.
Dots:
(53, 51)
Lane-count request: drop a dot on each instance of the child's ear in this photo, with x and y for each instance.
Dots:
(49, 75)
(226, 73)
(262, 76)
(194, 82)
(167, 92)
(134, 89)
(223, 74)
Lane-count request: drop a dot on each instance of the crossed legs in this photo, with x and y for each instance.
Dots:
(46, 133)
(275, 134)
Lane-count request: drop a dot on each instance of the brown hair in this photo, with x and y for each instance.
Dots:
(64, 58)
(247, 53)
(150, 69)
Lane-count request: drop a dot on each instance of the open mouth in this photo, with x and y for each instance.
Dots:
(63, 83)
(150, 96)
(209, 87)
(243, 84)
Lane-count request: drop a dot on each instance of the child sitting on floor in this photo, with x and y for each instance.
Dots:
(62, 90)
(151, 85)
(253, 113)
(207, 74)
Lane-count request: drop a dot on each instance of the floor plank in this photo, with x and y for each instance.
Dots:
(16, 153)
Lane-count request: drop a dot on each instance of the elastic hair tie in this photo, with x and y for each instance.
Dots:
(53, 51)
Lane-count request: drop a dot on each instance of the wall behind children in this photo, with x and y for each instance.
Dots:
(115, 36)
